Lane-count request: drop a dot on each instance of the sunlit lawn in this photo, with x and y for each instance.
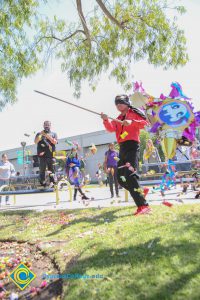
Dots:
(147, 257)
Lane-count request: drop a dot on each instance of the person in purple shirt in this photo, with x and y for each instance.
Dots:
(110, 167)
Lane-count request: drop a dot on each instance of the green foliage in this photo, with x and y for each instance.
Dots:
(17, 58)
(146, 32)
(125, 31)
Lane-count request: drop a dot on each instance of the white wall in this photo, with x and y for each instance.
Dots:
(100, 138)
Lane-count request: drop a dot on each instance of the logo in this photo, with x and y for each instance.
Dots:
(22, 276)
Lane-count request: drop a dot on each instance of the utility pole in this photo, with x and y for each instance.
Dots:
(23, 147)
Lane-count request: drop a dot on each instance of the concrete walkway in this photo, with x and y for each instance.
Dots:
(100, 197)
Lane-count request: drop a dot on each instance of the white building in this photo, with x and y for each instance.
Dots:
(100, 138)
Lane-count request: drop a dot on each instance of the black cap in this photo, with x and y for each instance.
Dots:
(122, 99)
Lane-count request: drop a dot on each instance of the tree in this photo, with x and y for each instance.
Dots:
(17, 56)
(108, 39)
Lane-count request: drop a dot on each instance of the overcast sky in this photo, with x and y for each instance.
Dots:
(28, 114)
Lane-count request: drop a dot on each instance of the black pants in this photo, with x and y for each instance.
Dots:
(47, 162)
(76, 189)
(113, 180)
(129, 152)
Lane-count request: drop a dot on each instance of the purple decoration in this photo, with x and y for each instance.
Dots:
(197, 118)
(190, 105)
(157, 142)
(163, 97)
(155, 103)
(177, 91)
(174, 93)
(189, 132)
(137, 87)
(155, 127)
(142, 90)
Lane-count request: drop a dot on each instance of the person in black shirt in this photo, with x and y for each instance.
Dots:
(46, 141)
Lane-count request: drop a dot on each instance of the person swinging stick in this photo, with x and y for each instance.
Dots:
(127, 127)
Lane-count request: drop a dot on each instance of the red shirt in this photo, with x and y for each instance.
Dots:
(133, 130)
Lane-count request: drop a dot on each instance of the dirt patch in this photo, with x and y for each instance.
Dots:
(14, 253)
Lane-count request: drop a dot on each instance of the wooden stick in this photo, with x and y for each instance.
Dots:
(75, 105)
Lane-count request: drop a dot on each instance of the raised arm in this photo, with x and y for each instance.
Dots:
(110, 126)
(38, 138)
(53, 140)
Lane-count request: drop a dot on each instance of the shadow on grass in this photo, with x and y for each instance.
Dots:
(133, 257)
(137, 255)
(191, 222)
(109, 216)
(5, 226)
(17, 212)
(175, 285)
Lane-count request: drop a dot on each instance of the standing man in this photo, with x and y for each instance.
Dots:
(110, 167)
(6, 171)
(46, 141)
(127, 129)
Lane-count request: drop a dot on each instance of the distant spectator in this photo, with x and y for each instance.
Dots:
(110, 167)
(6, 171)
(46, 141)
(194, 151)
(99, 174)
(151, 155)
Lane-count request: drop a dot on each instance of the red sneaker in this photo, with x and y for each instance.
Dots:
(141, 210)
(167, 203)
(145, 191)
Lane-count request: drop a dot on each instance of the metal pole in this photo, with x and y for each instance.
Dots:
(23, 147)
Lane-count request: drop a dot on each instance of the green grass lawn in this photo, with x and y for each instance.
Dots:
(146, 257)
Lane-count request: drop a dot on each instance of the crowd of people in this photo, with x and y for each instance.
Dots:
(118, 170)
